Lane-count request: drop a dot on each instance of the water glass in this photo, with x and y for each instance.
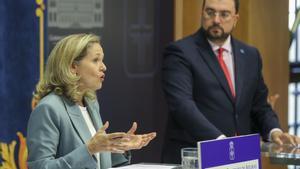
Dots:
(189, 158)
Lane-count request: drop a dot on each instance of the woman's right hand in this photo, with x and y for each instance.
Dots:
(101, 141)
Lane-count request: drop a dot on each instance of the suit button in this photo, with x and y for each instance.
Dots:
(236, 116)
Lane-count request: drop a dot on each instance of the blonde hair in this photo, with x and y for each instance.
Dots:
(58, 76)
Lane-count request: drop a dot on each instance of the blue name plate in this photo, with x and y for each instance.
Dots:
(241, 152)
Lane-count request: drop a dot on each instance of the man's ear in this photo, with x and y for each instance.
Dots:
(237, 16)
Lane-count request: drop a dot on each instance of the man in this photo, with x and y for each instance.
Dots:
(214, 85)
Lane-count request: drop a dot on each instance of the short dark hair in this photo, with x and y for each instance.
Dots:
(236, 4)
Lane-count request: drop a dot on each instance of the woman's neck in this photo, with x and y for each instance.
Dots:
(80, 101)
(80, 104)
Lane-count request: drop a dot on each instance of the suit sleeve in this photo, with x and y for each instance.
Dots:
(121, 159)
(43, 134)
(264, 117)
(178, 89)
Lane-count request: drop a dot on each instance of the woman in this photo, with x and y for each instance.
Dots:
(65, 129)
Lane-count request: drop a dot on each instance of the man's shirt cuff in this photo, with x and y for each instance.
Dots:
(273, 130)
(221, 137)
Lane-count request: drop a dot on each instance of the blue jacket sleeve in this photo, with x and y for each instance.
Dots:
(178, 88)
(43, 134)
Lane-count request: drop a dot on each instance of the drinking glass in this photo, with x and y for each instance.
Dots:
(189, 158)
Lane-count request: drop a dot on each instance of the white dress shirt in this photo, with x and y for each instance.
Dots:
(227, 57)
(229, 61)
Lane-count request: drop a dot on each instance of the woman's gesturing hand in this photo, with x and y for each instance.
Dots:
(134, 141)
(118, 142)
(101, 141)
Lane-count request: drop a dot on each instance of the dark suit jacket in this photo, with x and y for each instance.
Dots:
(200, 103)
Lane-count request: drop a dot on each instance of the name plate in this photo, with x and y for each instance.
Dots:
(241, 152)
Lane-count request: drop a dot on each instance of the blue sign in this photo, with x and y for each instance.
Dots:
(241, 152)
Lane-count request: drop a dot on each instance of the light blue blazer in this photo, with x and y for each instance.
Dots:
(57, 135)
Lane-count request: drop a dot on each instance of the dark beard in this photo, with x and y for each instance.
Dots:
(213, 37)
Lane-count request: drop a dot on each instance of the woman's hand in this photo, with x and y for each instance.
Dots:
(118, 142)
(138, 141)
(134, 141)
(101, 141)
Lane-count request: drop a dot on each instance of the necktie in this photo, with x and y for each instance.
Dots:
(225, 70)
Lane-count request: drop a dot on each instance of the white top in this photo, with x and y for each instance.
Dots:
(89, 123)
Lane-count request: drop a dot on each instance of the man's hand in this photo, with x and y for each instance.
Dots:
(284, 138)
(272, 100)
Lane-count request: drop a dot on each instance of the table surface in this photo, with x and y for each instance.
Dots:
(286, 154)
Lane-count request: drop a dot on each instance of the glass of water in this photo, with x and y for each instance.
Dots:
(189, 158)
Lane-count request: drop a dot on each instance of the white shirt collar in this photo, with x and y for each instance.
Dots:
(226, 45)
(82, 108)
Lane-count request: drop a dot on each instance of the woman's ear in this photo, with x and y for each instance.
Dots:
(73, 68)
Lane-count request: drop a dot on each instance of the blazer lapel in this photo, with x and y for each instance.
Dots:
(239, 54)
(95, 116)
(77, 120)
(212, 61)
(105, 157)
